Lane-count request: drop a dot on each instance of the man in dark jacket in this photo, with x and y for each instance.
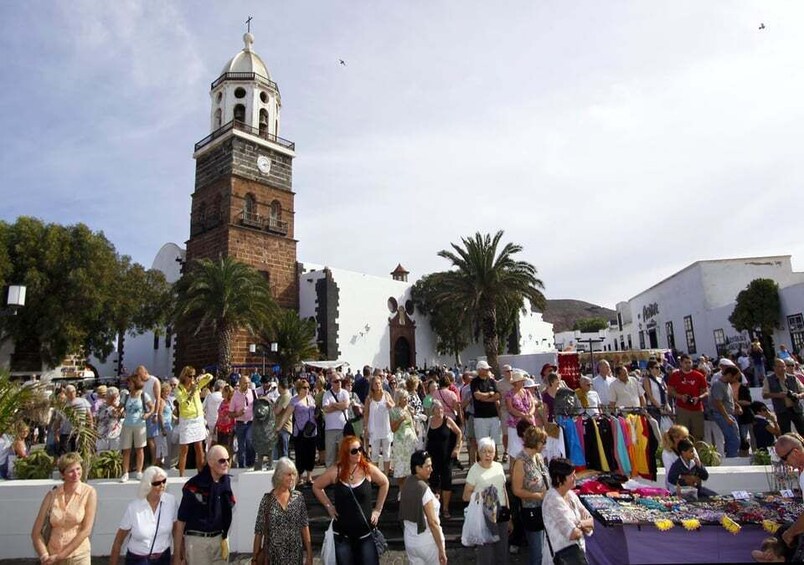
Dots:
(205, 513)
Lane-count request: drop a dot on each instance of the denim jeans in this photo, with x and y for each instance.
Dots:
(534, 547)
(282, 449)
(731, 434)
(361, 551)
(245, 449)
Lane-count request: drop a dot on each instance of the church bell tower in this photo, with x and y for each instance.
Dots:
(242, 205)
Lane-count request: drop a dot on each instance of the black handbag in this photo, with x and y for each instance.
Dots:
(573, 554)
(570, 555)
(532, 519)
(503, 514)
(309, 429)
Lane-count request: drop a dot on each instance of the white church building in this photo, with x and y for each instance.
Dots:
(689, 310)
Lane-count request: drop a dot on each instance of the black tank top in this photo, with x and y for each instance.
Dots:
(350, 522)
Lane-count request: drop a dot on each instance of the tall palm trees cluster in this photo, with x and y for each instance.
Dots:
(225, 296)
(488, 286)
(481, 295)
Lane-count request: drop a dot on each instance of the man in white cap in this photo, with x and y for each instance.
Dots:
(486, 399)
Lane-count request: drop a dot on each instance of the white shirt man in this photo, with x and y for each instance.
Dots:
(625, 392)
(602, 382)
(334, 404)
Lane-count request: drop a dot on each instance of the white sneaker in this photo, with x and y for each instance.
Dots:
(124, 478)
(138, 476)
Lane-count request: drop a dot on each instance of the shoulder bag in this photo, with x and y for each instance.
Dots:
(376, 534)
(532, 518)
(310, 428)
(47, 528)
(573, 554)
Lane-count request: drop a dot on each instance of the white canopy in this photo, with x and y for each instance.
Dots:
(326, 364)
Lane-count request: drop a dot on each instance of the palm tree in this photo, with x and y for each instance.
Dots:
(295, 339)
(489, 281)
(223, 296)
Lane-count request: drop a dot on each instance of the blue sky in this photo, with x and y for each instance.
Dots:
(616, 142)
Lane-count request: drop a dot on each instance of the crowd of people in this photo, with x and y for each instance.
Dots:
(375, 427)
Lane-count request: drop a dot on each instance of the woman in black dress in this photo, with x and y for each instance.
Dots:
(351, 508)
(439, 438)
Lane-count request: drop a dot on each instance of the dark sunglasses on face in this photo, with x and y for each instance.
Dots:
(223, 461)
(158, 483)
(356, 450)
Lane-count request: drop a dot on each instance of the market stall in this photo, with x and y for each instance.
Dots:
(631, 529)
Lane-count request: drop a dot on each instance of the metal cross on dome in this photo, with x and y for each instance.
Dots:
(248, 24)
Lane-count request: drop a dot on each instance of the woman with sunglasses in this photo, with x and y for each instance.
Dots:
(351, 508)
(305, 430)
(150, 520)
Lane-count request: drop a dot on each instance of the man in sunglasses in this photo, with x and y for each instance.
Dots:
(790, 450)
(205, 513)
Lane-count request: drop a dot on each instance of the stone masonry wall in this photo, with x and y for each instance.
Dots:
(224, 175)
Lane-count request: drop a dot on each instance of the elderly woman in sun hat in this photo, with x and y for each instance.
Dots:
(520, 405)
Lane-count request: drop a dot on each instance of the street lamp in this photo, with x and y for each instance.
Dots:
(15, 299)
(273, 346)
(601, 337)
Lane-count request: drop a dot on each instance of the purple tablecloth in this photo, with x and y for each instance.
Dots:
(621, 545)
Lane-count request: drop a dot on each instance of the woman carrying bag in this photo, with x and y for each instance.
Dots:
(529, 483)
(566, 521)
(355, 519)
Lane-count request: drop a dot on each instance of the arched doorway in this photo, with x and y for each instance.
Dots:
(402, 342)
(402, 353)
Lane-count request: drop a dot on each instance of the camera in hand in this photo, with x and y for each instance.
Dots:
(792, 396)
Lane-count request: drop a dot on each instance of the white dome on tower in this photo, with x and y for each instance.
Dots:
(247, 61)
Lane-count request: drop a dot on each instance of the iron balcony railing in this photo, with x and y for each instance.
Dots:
(246, 77)
(240, 126)
(254, 220)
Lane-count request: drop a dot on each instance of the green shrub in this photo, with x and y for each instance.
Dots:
(38, 465)
(106, 465)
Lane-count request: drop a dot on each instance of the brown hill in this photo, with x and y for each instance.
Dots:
(563, 313)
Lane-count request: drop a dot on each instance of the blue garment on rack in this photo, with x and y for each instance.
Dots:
(574, 450)
(622, 450)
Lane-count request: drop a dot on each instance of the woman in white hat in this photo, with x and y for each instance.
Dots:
(520, 405)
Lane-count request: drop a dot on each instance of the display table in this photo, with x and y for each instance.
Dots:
(630, 544)
(631, 529)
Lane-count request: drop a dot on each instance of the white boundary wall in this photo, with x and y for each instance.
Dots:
(20, 500)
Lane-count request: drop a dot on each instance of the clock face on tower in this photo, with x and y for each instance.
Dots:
(264, 164)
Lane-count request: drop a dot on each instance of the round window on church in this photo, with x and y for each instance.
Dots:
(264, 97)
(392, 305)
(240, 92)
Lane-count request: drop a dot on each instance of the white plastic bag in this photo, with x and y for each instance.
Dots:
(328, 548)
(475, 531)
(665, 423)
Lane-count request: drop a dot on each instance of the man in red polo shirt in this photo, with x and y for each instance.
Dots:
(689, 388)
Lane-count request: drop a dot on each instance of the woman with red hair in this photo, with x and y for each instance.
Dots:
(351, 508)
